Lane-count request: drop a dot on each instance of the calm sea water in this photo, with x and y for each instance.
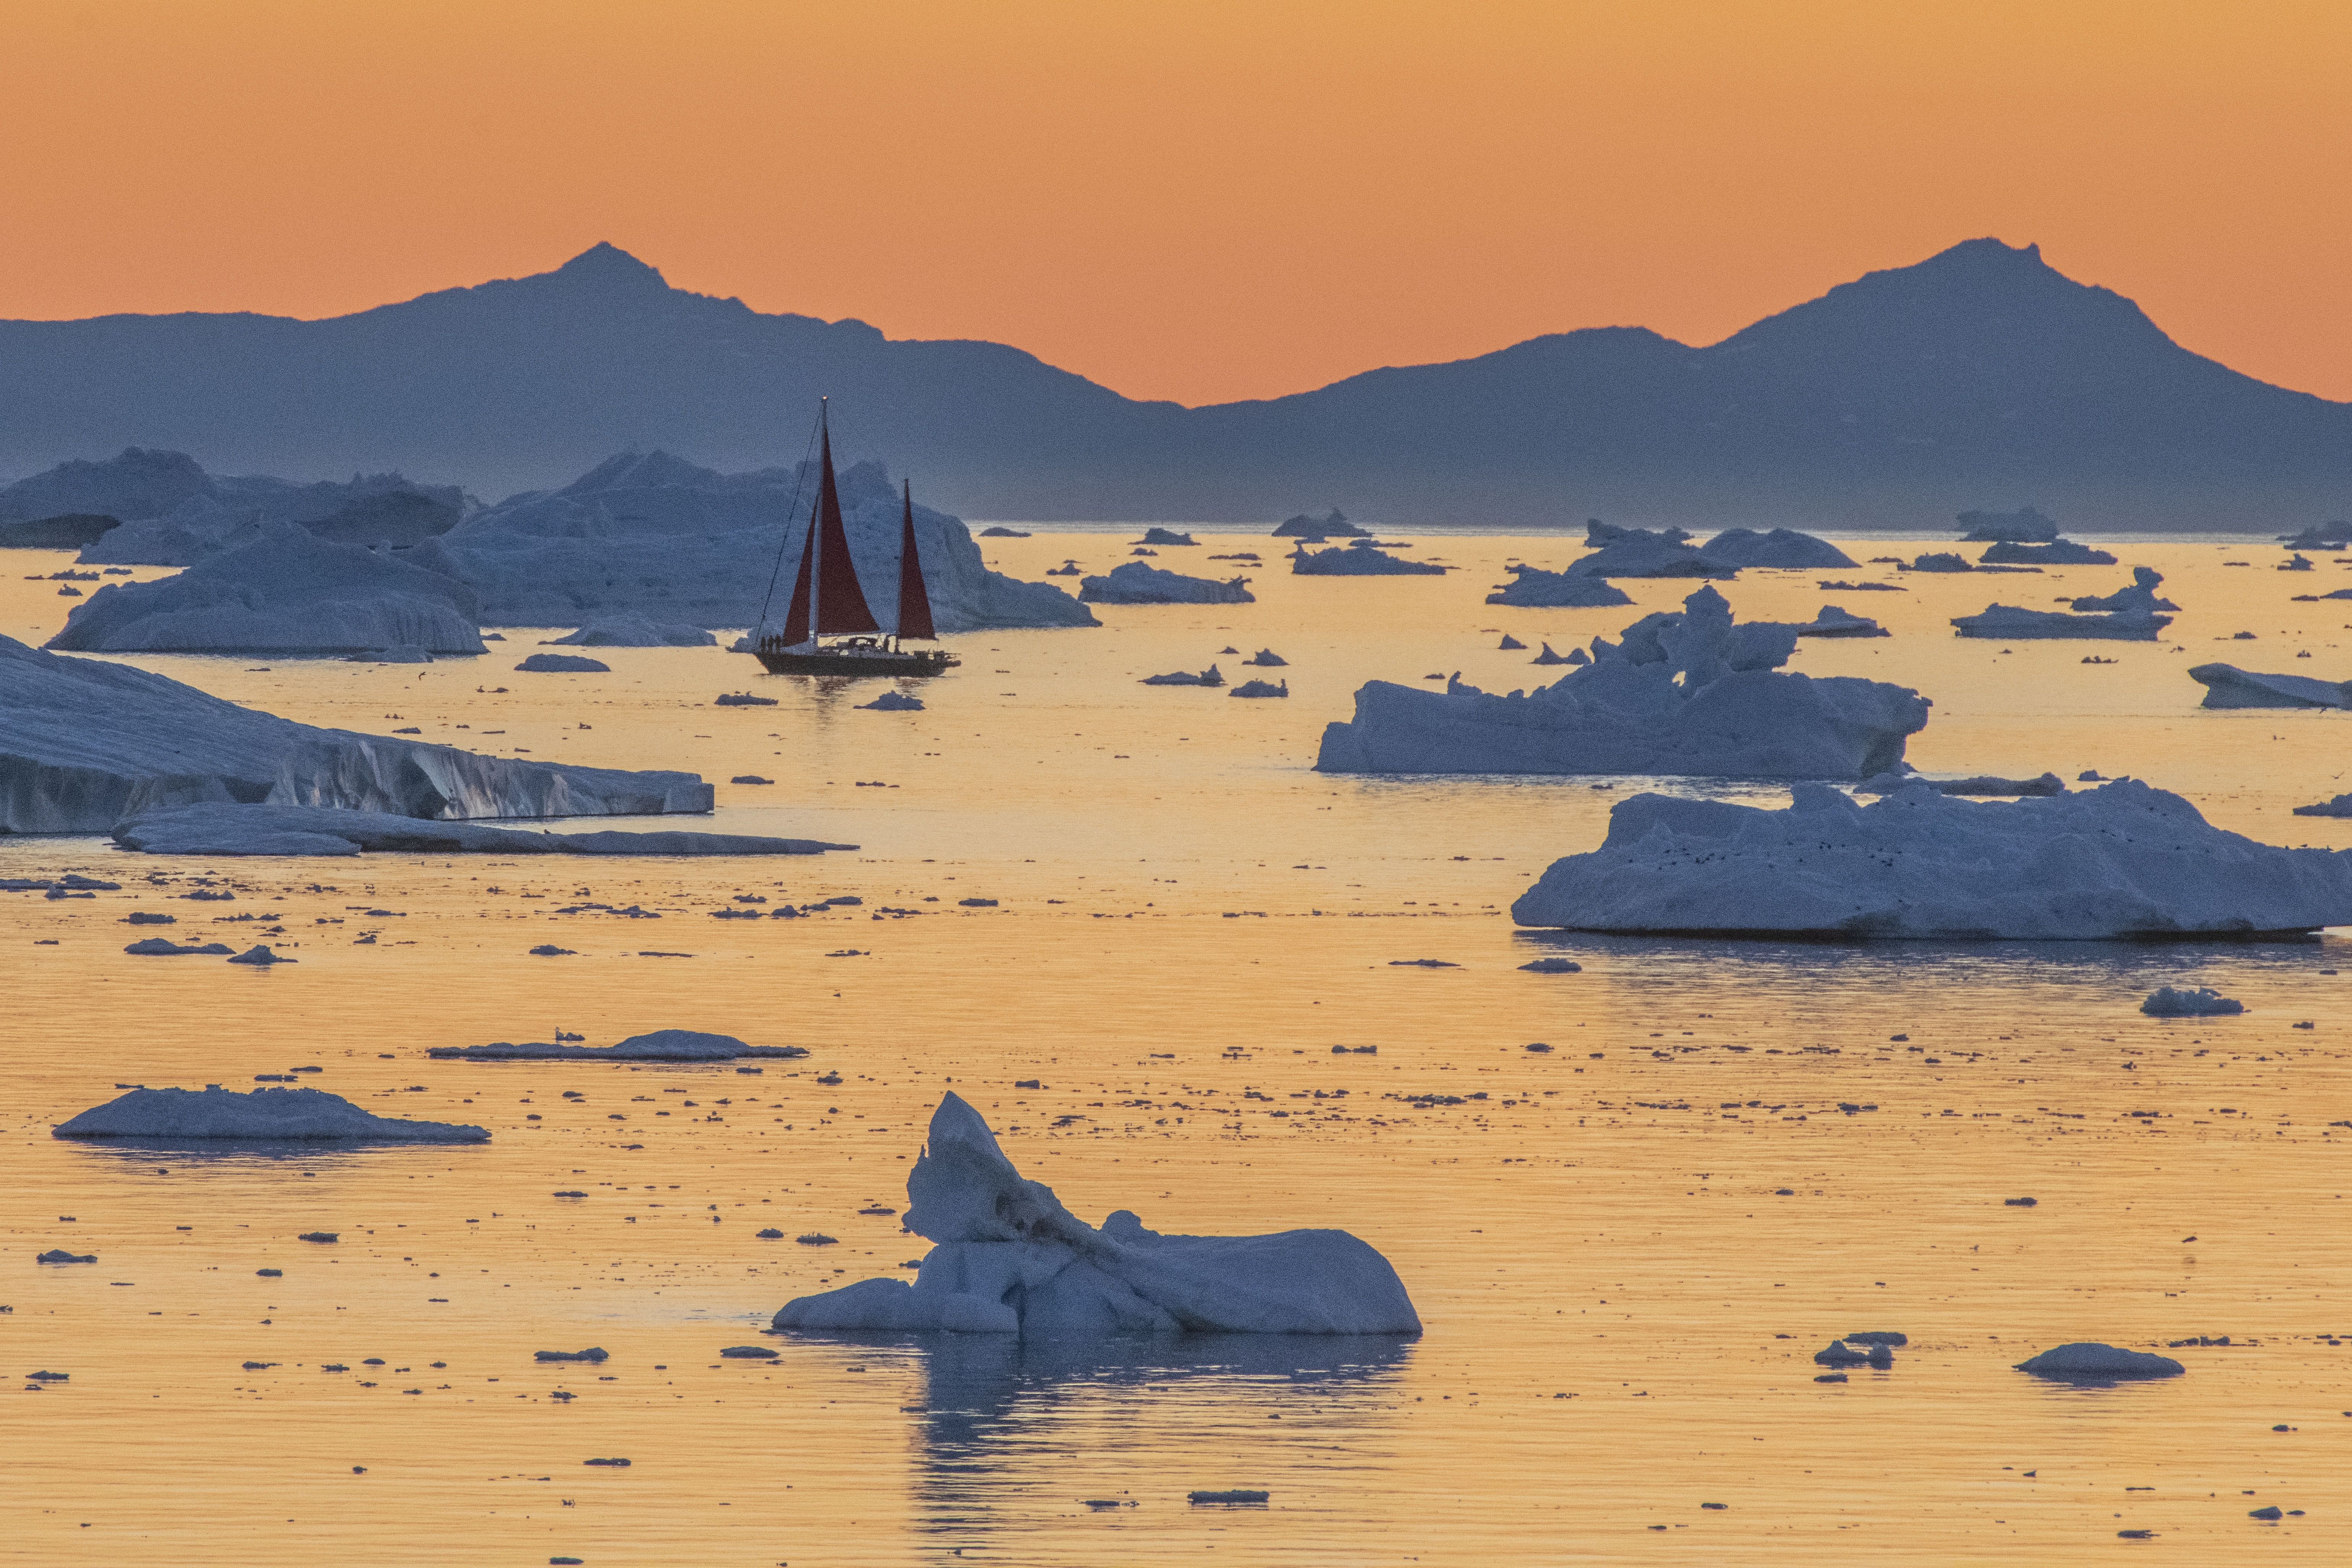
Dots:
(1626, 1249)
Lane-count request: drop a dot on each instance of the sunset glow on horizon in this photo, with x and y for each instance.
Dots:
(1203, 201)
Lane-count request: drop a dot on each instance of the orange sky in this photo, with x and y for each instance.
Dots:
(1203, 201)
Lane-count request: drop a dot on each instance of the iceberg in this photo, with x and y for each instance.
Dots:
(2007, 622)
(1011, 1259)
(1305, 527)
(1687, 692)
(1640, 552)
(85, 743)
(1783, 549)
(214, 1113)
(1535, 588)
(2341, 806)
(660, 1046)
(1939, 561)
(215, 828)
(894, 702)
(2204, 1002)
(1358, 558)
(2023, 526)
(635, 631)
(1261, 688)
(2320, 536)
(1135, 584)
(2057, 552)
(2140, 595)
(2122, 861)
(1833, 622)
(563, 663)
(653, 535)
(68, 531)
(286, 592)
(2227, 686)
(1165, 536)
(1209, 676)
(2087, 1362)
(1981, 784)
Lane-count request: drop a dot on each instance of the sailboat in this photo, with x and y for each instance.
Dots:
(828, 629)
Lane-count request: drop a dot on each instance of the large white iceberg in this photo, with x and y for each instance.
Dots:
(2227, 686)
(2121, 861)
(288, 591)
(1135, 584)
(1687, 692)
(653, 535)
(214, 827)
(215, 1112)
(85, 743)
(1011, 1259)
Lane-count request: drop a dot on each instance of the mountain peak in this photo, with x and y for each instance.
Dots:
(606, 264)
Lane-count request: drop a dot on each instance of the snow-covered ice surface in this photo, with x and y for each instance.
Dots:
(1011, 1259)
(1133, 583)
(2120, 861)
(627, 630)
(286, 592)
(659, 1045)
(174, 1114)
(214, 829)
(1689, 692)
(85, 743)
(2227, 686)
(653, 535)
(1783, 549)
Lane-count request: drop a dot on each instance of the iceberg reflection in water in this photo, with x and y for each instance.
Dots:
(1014, 1432)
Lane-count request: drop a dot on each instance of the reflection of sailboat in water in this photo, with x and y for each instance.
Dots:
(1007, 1421)
(829, 603)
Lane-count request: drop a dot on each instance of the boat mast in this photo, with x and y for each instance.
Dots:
(816, 534)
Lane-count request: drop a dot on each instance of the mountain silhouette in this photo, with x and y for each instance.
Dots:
(1979, 376)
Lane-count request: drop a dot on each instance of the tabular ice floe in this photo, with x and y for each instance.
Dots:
(2086, 1361)
(263, 1114)
(1012, 1259)
(660, 1046)
(563, 663)
(1687, 692)
(2204, 1002)
(85, 743)
(288, 591)
(654, 535)
(2009, 623)
(2227, 686)
(635, 631)
(1135, 584)
(215, 828)
(1358, 558)
(2121, 861)
(2055, 552)
(1209, 676)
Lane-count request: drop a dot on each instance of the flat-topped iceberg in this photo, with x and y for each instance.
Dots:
(85, 743)
(286, 592)
(651, 534)
(1011, 1259)
(1532, 587)
(1135, 584)
(660, 1046)
(2007, 622)
(1358, 558)
(2227, 686)
(1782, 548)
(628, 630)
(1684, 692)
(214, 829)
(2056, 553)
(214, 1113)
(2121, 861)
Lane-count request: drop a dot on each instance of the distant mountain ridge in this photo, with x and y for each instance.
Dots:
(1979, 377)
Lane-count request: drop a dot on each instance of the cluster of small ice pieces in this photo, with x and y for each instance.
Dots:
(214, 1113)
(1135, 584)
(1011, 1259)
(1688, 692)
(85, 743)
(660, 1046)
(2120, 861)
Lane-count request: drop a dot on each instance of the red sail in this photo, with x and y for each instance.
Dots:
(841, 602)
(914, 599)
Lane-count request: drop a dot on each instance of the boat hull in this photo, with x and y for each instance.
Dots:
(863, 661)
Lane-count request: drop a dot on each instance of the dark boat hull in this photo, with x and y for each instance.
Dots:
(861, 661)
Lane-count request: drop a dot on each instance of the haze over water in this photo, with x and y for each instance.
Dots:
(1187, 922)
